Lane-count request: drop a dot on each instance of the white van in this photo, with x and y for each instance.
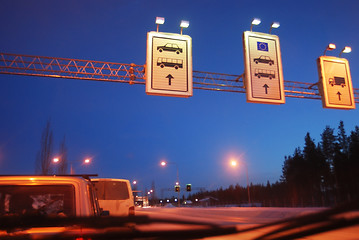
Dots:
(115, 196)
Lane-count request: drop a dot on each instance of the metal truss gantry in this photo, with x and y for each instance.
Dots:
(134, 74)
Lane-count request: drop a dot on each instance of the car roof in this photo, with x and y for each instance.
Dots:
(110, 179)
(49, 179)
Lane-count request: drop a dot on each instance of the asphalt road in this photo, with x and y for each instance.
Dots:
(243, 218)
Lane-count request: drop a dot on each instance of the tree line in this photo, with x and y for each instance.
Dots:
(318, 174)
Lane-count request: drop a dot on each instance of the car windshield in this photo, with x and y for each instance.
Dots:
(217, 116)
(51, 200)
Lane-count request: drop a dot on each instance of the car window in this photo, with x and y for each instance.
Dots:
(111, 190)
(52, 200)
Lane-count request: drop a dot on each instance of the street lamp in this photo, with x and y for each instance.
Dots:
(184, 24)
(234, 163)
(57, 160)
(346, 49)
(163, 164)
(274, 25)
(255, 21)
(159, 21)
(330, 47)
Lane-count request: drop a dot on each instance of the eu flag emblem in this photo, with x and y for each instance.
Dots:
(262, 46)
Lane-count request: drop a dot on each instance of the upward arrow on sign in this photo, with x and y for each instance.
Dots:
(266, 88)
(338, 93)
(169, 76)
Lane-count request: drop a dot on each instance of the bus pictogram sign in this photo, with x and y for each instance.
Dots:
(169, 65)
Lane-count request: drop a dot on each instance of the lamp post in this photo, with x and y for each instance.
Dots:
(330, 47)
(159, 21)
(234, 163)
(255, 21)
(184, 24)
(345, 50)
(163, 164)
(274, 25)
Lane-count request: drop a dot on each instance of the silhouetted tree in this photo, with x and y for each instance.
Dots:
(353, 162)
(43, 159)
(62, 165)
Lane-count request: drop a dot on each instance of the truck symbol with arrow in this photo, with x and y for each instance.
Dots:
(340, 81)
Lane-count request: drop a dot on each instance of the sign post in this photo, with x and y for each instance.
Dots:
(169, 65)
(263, 68)
(335, 83)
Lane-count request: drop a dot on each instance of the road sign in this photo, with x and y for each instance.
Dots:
(335, 83)
(169, 65)
(263, 68)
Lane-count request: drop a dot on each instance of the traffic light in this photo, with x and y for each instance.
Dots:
(188, 187)
(177, 188)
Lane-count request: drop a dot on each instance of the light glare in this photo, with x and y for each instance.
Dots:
(256, 21)
(347, 50)
(233, 163)
(160, 20)
(275, 25)
(331, 46)
(184, 24)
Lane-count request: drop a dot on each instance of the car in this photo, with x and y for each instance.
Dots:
(263, 59)
(47, 195)
(115, 196)
(31, 198)
(170, 47)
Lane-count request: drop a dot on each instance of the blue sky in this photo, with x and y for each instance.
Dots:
(125, 131)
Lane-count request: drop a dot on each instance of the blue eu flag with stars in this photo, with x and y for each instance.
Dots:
(262, 46)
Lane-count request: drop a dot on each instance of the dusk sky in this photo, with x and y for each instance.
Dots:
(127, 133)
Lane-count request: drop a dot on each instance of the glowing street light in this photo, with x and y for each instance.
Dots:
(330, 47)
(234, 163)
(57, 160)
(184, 24)
(346, 49)
(274, 25)
(255, 21)
(163, 164)
(159, 21)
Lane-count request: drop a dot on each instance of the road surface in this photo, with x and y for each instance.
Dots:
(242, 218)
